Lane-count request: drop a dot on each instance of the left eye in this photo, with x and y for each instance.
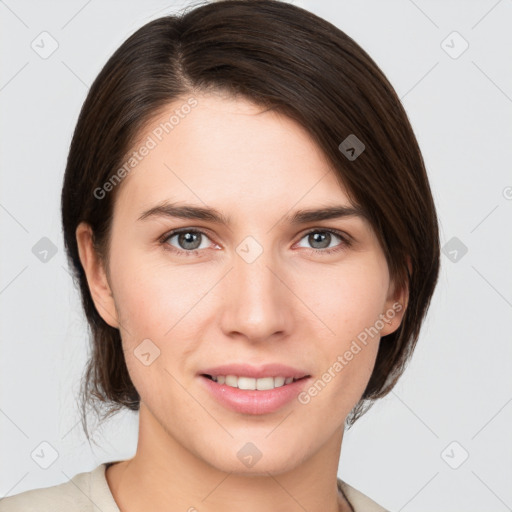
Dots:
(322, 239)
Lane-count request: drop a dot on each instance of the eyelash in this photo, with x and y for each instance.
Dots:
(345, 241)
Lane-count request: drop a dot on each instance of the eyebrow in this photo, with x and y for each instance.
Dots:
(304, 216)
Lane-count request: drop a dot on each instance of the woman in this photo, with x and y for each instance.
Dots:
(247, 214)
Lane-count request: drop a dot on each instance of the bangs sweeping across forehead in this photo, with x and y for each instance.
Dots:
(283, 58)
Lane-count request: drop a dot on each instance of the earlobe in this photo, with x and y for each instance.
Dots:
(393, 315)
(96, 276)
(395, 308)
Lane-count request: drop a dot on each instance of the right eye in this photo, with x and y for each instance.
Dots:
(189, 241)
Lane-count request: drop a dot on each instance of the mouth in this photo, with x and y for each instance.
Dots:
(216, 378)
(249, 383)
(253, 396)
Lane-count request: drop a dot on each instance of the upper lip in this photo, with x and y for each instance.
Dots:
(256, 372)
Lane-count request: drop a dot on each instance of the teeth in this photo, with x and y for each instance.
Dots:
(262, 384)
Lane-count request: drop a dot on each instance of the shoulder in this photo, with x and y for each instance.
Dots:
(85, 492)
(359, 501)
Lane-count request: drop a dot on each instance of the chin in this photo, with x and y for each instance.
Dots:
(252, 459)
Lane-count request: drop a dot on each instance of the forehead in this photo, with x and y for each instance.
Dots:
(228, 153)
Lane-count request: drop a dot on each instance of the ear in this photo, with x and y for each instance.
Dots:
(395, 306)
(96, 275)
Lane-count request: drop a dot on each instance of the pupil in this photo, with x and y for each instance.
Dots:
(323, 238)
(187, 240)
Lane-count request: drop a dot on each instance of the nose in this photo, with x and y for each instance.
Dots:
(257, 303)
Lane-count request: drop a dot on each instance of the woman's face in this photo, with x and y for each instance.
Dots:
(260, 289)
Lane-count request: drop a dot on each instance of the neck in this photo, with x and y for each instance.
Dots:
(165, 473)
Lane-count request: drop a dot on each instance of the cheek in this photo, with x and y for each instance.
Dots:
(156, 302)
(151, 295)
(347, 298)
(349, 302)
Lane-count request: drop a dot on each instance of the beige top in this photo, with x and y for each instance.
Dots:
(89, 492)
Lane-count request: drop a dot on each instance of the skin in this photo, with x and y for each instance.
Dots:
(291, 305)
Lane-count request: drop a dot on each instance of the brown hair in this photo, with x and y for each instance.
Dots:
(287, 59)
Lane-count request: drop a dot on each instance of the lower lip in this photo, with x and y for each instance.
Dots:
(254, 401)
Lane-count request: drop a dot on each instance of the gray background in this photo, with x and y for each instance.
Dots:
(455, 398)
